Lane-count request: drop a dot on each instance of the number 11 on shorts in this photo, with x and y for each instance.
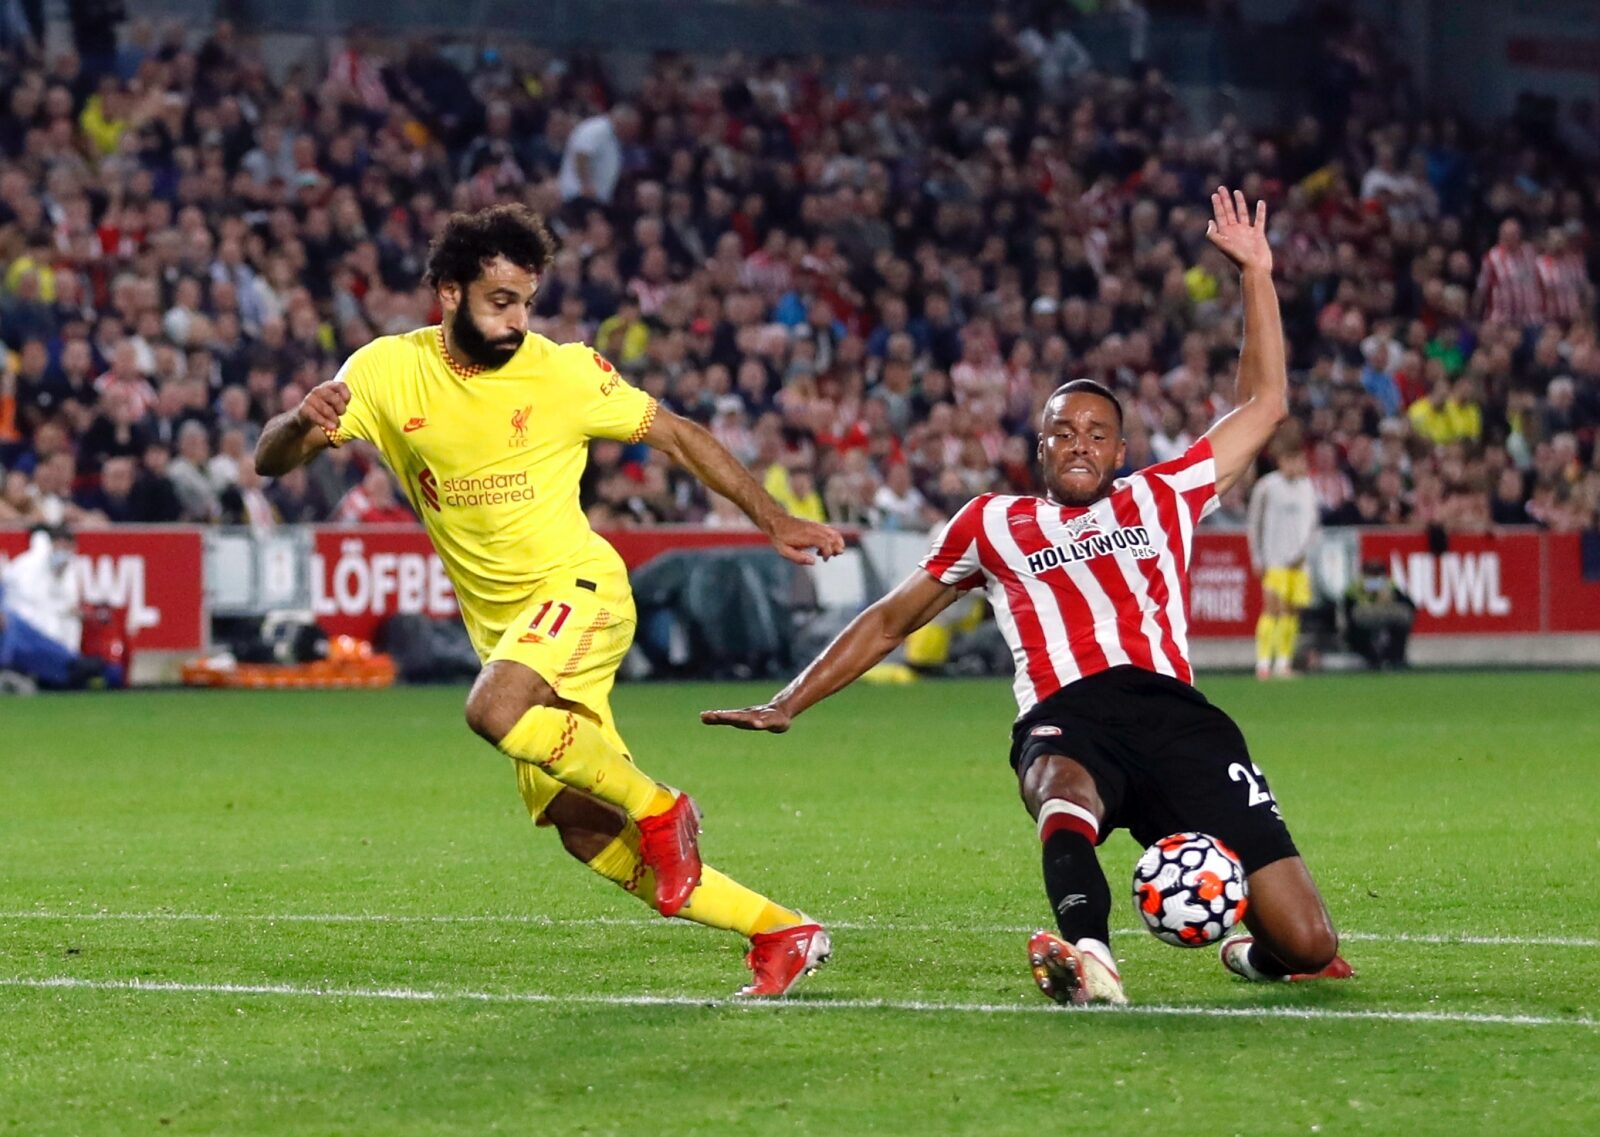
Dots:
(1254, 778)
(534, 635)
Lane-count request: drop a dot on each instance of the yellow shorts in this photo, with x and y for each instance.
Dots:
(1291, 585)
(574, 632)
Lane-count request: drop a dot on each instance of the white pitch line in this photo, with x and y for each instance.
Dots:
(1443, 939)
(1448, 938)
(413, 995)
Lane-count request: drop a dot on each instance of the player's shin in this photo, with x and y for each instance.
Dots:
(1073, 878)
(1266, 639)
(574, 751)
(1288, 633)
(719, 902)
(619, 863)
(722, 902)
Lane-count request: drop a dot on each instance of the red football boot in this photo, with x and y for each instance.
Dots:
(1235, 955)
(669, 848)
(778, 959)
(1074, 974)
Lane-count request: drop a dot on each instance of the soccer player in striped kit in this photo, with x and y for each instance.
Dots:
(1090, 587)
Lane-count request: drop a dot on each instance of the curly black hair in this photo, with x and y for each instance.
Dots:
(470, 240)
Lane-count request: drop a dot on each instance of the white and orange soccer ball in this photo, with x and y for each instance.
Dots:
(1190, 889)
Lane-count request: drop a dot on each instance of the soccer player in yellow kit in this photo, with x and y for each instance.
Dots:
(486, 426)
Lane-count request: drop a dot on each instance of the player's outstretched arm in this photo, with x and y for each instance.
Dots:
(1262, 398)
(861, 646)
(693, 447)
(294, 437)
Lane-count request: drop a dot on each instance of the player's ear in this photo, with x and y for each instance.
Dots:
(450, 294)
(1122, 451)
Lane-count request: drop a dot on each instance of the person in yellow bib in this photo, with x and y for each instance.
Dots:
(486, 426)
(1284, 518)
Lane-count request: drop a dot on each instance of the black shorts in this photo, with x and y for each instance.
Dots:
(1163, 758)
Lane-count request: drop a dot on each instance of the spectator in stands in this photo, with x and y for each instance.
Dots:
(902, 273)
(1437, 418)
(18, 33)
(113, 497)
(245, 502)
(154, 499)
(1562, 415)
(1508, 282)
(1055, 54)
(294, 499)
(1377, 379)
(115, 431)
(94, 32)
(592, 161)
(373, 502)
(1507, 506)
(797, 492)
(52, 502)
(898, 504)
(190, 476)
(1568, 293)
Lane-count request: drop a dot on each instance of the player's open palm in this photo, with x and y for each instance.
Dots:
(323, 405)
(765, 717)
(1231, 229)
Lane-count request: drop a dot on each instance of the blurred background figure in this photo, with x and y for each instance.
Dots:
(1378, 617)
(1283, 525)
(41, 625)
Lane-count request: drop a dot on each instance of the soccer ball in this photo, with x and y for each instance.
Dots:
(1190, 889)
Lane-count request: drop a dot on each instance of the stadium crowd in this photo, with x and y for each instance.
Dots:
(864, 287)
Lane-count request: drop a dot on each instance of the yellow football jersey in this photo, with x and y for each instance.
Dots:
(490, 460)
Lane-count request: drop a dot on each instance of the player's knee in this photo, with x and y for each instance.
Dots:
(491, 716)
(498, 702)
(1055, 777)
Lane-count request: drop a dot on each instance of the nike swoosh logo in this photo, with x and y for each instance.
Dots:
(414, 424)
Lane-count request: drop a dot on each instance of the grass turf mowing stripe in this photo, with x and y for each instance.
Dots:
(413, 995)
(1445, 939)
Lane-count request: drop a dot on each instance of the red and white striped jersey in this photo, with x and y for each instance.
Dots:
(1508, 284)
(1080, 590)
(1566, 285)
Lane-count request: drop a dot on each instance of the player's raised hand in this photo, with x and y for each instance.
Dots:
(1242, 241)
(765, 717)
(323, 405)
(795, 538)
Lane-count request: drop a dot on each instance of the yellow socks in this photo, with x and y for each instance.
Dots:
(1266, 639)
(1275, 639)
(578, 752)
(573, 750)
(1288, 633)
(722, 902)
(719, 902)
(619, 863)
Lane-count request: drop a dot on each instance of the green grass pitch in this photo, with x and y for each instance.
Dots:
(325, 913)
